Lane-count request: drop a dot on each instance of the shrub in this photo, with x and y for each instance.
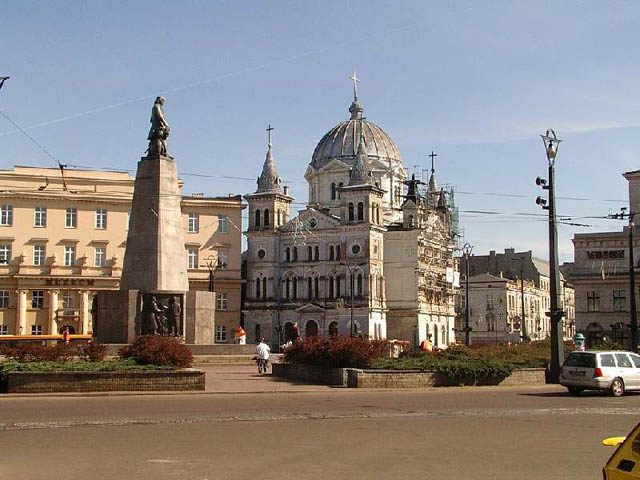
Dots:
(609, 344)
(158, 350)
(93, 351)
(31, 352)
(335, 351)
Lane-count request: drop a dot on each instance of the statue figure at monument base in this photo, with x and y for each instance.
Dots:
(159, 131)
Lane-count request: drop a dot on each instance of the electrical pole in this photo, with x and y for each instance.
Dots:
(555, 314)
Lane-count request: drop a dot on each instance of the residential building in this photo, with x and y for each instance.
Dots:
(62, 238)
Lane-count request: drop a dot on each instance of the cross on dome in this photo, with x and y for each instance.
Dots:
(269, 130)
(354, 78)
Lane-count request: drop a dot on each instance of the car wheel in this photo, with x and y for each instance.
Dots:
(617, 387)
(575, 391)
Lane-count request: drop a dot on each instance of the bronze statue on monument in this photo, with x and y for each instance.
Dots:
(159, 131)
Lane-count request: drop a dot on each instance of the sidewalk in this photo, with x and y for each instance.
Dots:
(245, 379)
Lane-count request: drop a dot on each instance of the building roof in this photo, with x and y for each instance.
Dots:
(342, 141)
(269, 181)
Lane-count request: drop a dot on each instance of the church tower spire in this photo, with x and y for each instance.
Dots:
(269, 181)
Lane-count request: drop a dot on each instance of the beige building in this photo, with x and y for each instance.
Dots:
(495, 298)
(62, 238)
(600, 273)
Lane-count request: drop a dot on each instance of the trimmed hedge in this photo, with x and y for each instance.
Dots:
(158, 350)
(32, 352)
(79, 366)
(335, 351)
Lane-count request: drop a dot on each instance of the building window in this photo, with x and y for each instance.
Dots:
(71, 217)
(360, 211)
(192, 258)
(593, 302)
(40, 217)
(359, 291)
(619, 300)
(194, 221)
(221, 334)
(337, 252)
(316, 251)
(257, 220)
(258, 286)
(5, 253)
(223, 260)
(288, 254)
(221, 302)
(37, 299)
(101, 218)
(295, 254)
(68, 300)
(4, 298)
(310, 253)
(222, 224)
(100, 256)
(36, 329)
(6, 215)
(4, 330)
(351, 212)
(333, 191)
(266, 218)
(331, 254)
(69, 255)
(39, 252)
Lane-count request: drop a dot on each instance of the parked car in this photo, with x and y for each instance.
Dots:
(616, 371)
(624, 464)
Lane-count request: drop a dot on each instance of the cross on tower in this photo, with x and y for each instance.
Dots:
(269, 129)
(355, 80)
(433, 156)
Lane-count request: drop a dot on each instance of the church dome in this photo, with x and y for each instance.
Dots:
(342, 141)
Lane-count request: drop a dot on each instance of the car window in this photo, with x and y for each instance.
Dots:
(606, 360)
(587, 360)
(636, 361)
(623, 360)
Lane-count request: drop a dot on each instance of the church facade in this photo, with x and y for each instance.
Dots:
(372, 254)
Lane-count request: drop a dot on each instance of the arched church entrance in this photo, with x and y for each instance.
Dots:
(311, 329)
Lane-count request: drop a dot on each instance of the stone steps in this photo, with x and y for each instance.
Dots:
(230, 359)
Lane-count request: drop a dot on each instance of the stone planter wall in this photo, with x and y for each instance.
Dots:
(149, 380)
(358, 378)
(308, 373)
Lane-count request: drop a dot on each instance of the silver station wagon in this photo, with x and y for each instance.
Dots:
(615, 371)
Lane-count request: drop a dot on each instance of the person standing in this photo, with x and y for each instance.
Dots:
(295, 332)
(262, 352)
(66, 336)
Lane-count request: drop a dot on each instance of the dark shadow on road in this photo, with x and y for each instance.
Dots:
(587, 393)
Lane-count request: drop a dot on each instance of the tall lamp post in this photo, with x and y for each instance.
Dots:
(551, 143)
(466, 250)
(523, 319)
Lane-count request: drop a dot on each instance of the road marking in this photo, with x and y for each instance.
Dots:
(523, 412)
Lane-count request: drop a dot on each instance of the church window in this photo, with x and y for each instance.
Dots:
(359, 290)
(257, 222)
(288, 254)
(340, 185)
(338, 289)
(331, 287)
(295, 254)
(258, 285)
(316, 251)
(316, 287)
(309, 253)
(411, 220)
(266, 217)
(330, 252)
(309, 288)
(264, 287)
(337, 252)
(261, 253)
(288, 288)
(333, 329)
(333, 191)
(295, 287)
(355, 249)
(313, 223)
(351, 212)
(360, 211)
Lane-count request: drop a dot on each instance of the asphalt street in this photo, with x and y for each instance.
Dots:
(478, 433)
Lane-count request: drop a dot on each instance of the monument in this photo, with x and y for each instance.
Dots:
(154, 297)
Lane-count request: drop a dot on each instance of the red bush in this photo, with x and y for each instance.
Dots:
(158, 350)
(338, 351)
(33, 352)
(93, 351)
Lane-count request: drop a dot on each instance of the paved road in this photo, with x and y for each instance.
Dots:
(482, 433)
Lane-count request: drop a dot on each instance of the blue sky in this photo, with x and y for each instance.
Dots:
(475, 81)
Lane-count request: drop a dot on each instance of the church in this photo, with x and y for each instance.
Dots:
(371, 255)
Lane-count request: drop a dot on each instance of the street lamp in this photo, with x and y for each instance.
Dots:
(466, 250)
(551, 143)
(350, 268)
